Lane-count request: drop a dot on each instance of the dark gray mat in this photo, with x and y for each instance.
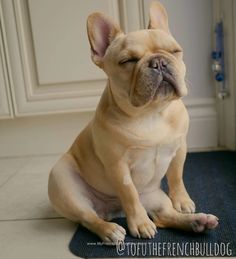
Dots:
(210, 178)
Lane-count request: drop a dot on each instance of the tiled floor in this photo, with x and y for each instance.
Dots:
(29, 228)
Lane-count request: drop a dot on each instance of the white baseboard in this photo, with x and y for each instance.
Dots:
(53, 134)
(203, 130)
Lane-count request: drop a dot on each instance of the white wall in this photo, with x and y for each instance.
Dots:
(190, 22)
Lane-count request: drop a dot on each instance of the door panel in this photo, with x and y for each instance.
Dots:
(50, 57)
(60, 40)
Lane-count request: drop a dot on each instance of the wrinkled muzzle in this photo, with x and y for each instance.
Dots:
(156, 79)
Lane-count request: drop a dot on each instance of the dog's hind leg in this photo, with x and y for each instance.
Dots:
(70, 198)
(160, 209)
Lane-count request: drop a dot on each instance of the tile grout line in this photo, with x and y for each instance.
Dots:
(16, 172)
(31, 156)
(29, 219)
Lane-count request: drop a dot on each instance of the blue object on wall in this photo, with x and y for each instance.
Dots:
(218, 54)
(218, 65)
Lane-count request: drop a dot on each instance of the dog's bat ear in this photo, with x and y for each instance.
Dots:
(158, 18)
(102, 30)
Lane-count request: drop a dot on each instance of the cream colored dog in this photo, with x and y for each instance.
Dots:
(137, 136)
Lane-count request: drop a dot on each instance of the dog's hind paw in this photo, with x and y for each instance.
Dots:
(204, 222)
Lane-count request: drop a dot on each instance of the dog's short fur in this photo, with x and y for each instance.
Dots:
(137, 136)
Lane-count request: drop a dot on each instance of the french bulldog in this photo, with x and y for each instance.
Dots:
(137, 136)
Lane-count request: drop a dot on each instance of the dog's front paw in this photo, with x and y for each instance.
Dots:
(111, 233)
(141, 226)
(182, 202)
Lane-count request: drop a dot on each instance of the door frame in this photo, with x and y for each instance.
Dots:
(225, 10)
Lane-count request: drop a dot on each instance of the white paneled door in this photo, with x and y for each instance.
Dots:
(49, 54)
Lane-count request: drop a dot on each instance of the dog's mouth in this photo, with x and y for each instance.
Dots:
(167, 86)
(155, 85)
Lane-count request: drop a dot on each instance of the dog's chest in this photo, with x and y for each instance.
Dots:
(150, 165)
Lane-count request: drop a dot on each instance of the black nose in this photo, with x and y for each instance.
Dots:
(158, 63)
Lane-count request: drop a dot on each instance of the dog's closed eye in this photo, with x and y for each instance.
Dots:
(128, 60)
(178, 53)
(175, 51)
